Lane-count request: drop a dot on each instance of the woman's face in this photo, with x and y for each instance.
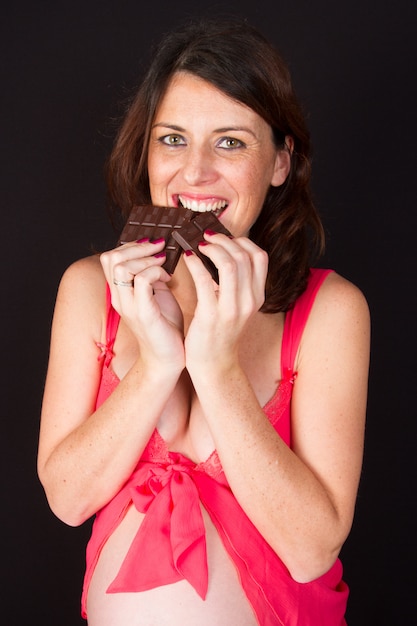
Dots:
(208, 152)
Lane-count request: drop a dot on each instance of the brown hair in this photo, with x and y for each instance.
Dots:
(239, 61)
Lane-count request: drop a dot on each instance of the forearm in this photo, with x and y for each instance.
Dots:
(285, 500)
(88, 467)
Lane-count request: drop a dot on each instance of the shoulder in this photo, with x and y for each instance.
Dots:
(339, 315)
(84, 270)
(82, 290)
(339, 296)
(84, 276)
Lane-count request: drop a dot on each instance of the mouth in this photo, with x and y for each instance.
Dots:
(212, 205)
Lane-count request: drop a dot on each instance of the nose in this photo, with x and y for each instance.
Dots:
(199, 166)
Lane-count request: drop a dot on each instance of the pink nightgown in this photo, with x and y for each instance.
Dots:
(168, 487)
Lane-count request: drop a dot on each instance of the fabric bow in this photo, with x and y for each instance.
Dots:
(170, 544)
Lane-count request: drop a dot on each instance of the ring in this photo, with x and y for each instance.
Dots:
(123, 283)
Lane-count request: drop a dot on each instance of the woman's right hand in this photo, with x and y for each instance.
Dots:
(87, 452)
(146, 305)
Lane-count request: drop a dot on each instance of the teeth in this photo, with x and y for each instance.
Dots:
(202, 207)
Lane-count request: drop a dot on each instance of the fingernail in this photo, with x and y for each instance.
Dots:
(158, 255)
(203, 243)
(188, 252)
(144, 240)
(210, 232)
(159, 240)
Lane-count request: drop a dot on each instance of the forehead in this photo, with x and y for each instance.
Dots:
(189, 96)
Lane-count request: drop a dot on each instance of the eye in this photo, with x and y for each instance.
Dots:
(230, 143)
(172, 140)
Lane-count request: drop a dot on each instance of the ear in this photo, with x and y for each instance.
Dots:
(283, 163)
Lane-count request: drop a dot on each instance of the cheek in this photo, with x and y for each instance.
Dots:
(157, 164)
(245, 175)
(153, 169)
(256, 174)
(256, 185)
(158, 173)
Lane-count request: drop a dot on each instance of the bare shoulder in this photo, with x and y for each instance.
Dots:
(84, 271)
(81, 293)
(340, 297)
(340, 314)
(83, 279)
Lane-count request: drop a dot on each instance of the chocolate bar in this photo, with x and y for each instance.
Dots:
(191, 233)
(181, 228)
(155, 222)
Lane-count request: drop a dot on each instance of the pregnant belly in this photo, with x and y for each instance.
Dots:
(175, 604)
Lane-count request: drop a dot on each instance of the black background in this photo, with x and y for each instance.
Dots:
(65, 67)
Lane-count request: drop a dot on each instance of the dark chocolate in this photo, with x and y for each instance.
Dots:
(191, 233)
(155, 222)
(181, 228)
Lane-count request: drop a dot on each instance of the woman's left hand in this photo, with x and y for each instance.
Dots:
(223, 310)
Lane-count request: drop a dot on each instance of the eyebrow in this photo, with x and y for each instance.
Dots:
(171, 126)
(225, 129)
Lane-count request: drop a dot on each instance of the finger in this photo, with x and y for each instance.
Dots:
(129, 253)
(259, 261)
(122, 273)
(137, 301)
(206, 287)
(128, 270)
(242, 269)
(123, 291)
(153, 300)
(258, 257)
(232, 262)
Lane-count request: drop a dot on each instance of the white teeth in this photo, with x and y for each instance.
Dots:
(202, 207)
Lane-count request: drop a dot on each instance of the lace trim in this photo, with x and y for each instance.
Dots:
(157, 450)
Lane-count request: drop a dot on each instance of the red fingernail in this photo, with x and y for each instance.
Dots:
(210, 232)
(159, 240)
(158, 255)
(144, 240)
(188, 252)
(203, 243)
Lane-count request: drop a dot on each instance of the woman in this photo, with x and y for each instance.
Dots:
(216, 431)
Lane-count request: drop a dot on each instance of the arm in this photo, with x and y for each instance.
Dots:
(301, 499)
(85, 456)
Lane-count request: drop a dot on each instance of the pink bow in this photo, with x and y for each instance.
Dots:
(170, 544)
